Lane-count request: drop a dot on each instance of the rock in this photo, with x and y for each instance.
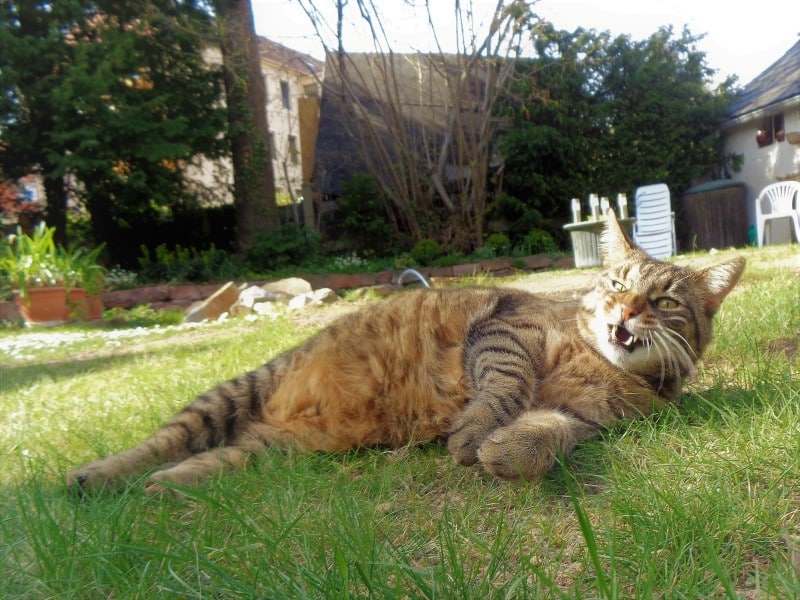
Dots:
(315, 298)
(287, 288)
(215, 305)
(266, 309)
(255, 294)
(324, 296)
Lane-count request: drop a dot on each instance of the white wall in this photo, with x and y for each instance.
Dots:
(764, 165)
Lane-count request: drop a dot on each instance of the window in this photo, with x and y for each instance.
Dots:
(285, 95)
(771, 130)
(293, 154)
(272, 145)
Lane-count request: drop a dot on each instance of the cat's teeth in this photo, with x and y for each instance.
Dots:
(622, 336)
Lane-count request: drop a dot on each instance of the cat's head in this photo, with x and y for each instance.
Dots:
(652, 317)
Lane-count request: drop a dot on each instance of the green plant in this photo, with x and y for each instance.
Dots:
(499, 243)
(187, 264)
(290, 244)
(364, 221)
(142, 315)
(35, 260)
(120, 279)
(538, 241)
(426, 251)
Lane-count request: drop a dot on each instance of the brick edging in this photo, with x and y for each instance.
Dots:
(164, 296)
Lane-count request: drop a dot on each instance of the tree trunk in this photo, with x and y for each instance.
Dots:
(245, 93)
(55, 191)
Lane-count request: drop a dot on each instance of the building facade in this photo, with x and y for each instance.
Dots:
(763, 132)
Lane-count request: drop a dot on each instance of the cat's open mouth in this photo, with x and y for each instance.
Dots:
(620, 336)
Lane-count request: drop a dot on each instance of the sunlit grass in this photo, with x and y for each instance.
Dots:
(699, 501)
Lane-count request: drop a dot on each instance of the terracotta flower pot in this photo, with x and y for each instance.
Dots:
(56, 305)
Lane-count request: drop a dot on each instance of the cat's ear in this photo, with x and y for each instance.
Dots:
(615, 245)
(720, 280)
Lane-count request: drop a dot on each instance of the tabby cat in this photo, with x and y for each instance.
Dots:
(509, 379)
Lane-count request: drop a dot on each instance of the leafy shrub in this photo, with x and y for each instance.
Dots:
(499, 243)
(291, 244)
(142, 315)
(188, 264)
(520, 216)
(538, 241)
(426, 251)
(363, 220)
(120, 279)
(449, 260)
(404, 261)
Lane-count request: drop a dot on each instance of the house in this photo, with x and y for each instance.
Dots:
(418, 124)
(763, 127)
(293, 82)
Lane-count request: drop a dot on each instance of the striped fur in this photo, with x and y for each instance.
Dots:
(509, 379)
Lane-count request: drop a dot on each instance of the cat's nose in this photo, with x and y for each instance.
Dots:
(628, 312)
(631, 306)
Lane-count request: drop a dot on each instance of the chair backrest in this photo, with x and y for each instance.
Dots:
(654, 231)
(653, 209)
(780, 197)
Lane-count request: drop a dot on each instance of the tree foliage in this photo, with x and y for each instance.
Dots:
(591, 113)
(114, 96)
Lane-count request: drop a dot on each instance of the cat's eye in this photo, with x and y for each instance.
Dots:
(666, 303)
(618, 286)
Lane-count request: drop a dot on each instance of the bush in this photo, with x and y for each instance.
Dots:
(499, 244)
(363, 220)
(539, 241)
(290, 244)
(188, 264)
(426, 251)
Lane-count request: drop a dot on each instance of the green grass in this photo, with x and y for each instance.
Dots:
(701, 501)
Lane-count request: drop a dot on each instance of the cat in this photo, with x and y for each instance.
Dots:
(509, 379)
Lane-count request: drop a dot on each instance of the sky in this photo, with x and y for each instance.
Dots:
(740, 41)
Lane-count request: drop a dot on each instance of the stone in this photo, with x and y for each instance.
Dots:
(266, 309)
(300, 301)
(215, 305)
(254, 294)
(287, 288)
(324, 296)
(315, 298)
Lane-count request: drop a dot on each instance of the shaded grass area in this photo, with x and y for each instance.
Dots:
(702, 500)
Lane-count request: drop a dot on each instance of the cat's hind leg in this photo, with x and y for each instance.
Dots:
(197, 468)
(527, 448)
(167, 445)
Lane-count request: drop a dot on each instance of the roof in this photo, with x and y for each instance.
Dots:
(775, 85)
(304, 63)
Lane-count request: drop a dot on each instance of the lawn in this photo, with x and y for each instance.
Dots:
(702, 500)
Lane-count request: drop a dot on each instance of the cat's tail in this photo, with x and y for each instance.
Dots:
(219, 428)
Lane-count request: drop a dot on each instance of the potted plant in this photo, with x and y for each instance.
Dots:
(51, 284)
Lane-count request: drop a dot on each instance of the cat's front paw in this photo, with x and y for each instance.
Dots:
(527, 448)
(464, 441)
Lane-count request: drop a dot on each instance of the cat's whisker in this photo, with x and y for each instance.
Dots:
(677, 318)
(663, 354)
(682, 357)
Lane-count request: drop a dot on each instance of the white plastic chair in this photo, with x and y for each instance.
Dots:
(654, 231)
(778, 201)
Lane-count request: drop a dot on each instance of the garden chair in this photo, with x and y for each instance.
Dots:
(778, 201)
(654, 230)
